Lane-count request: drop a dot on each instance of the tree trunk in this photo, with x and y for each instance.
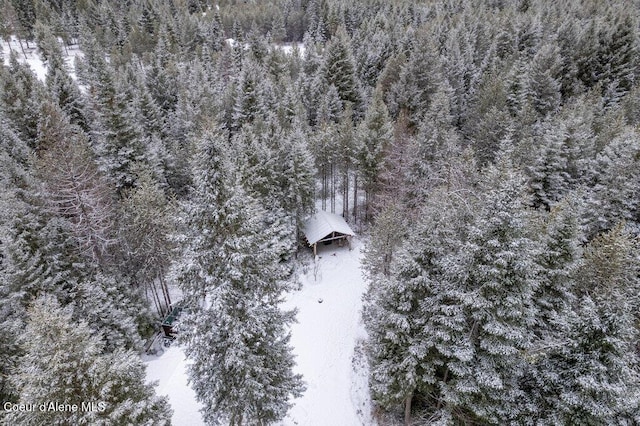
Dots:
(156, 299)
(146, 292)
(355, 198)
(407, 409)
(22, 48)
(165, 288)
(333, 189)
(324, 187)
(345, 196)
(366, 205)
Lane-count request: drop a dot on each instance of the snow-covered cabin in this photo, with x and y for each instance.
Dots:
(324, 226)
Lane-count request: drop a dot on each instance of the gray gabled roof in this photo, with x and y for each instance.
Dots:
(322, 224)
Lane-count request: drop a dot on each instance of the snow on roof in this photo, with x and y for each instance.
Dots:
(322, 224)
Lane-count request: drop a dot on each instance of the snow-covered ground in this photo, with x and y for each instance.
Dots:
(31, 56)
(288, 48)
(324, 339)
(170, 371)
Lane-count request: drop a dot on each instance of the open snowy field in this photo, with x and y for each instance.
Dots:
(324, 341)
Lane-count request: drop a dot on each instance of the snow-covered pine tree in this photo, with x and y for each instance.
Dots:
(419, 79)
(37, 252)
(415, 314)
(487, 120)
(297, 176)
(162, 75)
(310, 80)
(116, 134)
(544, 79)
(235, 336)
(615, 196)
(498, 268)
(65, 91)
(555, 299)
(559, 260)
(618, 56)
(16, 180)
(548, 173)
(339, 69)
(112, 306)
(63, 363)
(20, 97)
(375, 134)
(588, 372)
(248, 100)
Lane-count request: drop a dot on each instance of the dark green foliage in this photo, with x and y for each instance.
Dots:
(493, 300)
(68, 366)
(339, 70)
(20, 99)
(230, 275)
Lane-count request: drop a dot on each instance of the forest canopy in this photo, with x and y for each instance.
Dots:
(489, 150)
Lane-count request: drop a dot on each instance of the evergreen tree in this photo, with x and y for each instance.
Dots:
(297, 177)
(162, 76)
(544, 79)
(236, 334)
(67, 367)
(614, 196)
(415, 312)
(619, 57)
(499, 274)
(587, 372)
(419, 79)
(339, 70)
(65, 91)
(20, 99)
(116, 134)
(559, 260)
(26, 14)
(146, 227)
(311, 80)
(248, 103)
(13, 210)
(550, 179)
(487, 122)
(375, 134)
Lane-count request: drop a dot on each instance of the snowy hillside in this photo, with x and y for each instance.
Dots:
(324, 340)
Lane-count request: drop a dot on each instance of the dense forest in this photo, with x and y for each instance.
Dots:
(489, 149)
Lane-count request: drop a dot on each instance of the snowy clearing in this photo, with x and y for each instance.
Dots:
(33, 58)
(325, 341)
